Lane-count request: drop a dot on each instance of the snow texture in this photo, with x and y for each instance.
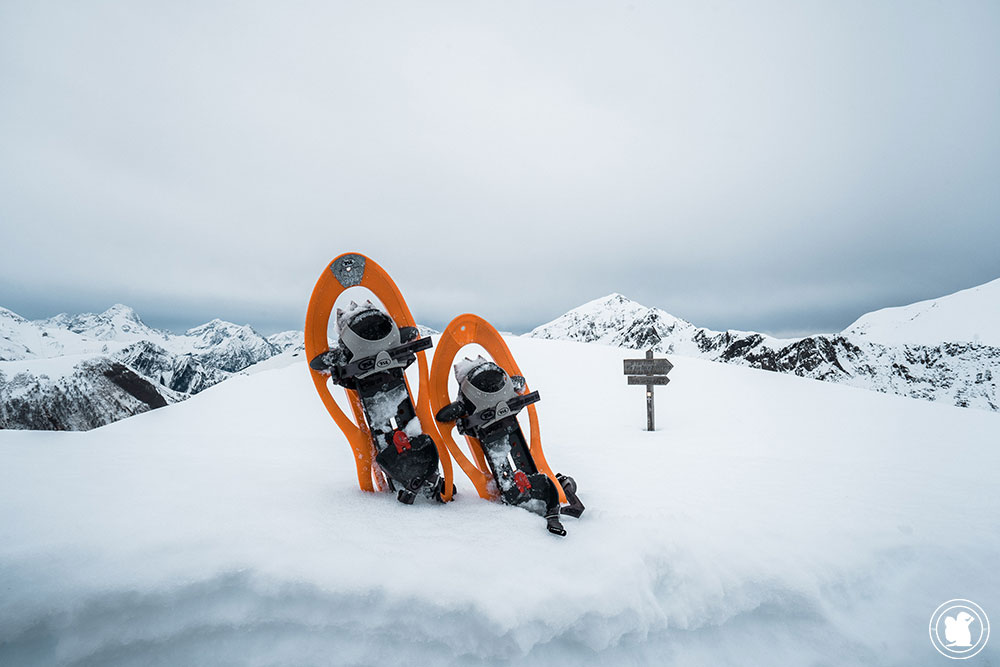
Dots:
(770, 520)
(968, 316)
(382, 408)
(464, 366)
(413, 428)
(344, 315)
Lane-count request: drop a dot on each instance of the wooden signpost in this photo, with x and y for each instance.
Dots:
(650, 372)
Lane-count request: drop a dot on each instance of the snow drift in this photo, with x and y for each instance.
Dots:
(770, 520)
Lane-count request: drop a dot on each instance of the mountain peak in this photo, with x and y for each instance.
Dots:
(613, 299)
(120, 310)
(11, 315)
(218, 325)
(615, 319)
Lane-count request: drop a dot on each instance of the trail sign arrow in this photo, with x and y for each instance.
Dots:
(648, 379)
(647, 366)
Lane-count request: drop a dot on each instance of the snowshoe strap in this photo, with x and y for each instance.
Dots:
(502, 409)
(399, 356)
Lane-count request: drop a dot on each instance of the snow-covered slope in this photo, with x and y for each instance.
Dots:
(968, 316)
(770, 521)
(42, 395)
(958, 373)
(23, 339)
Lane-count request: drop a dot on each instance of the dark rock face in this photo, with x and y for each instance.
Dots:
(184, 373)
(958, 373)
(98, 392)
(135, 385)
(817, 357)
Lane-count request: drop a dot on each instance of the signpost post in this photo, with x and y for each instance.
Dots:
(650, 372)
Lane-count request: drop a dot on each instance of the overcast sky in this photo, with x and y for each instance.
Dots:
(774, 166)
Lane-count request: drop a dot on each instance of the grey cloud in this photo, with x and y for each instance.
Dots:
(775, 166)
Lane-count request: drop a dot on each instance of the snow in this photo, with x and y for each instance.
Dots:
(53, 368)
(462, 367)
(770, 520)
(352, 308)
(971, 315)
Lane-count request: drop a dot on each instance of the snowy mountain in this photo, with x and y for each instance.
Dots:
(619, 321)
(288, 340)
(118, 323)
(227, 346)
(770, 520)
(65, 372)
(956, 372)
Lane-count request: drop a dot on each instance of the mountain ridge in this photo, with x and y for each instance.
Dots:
(957, 372)
(76, 372)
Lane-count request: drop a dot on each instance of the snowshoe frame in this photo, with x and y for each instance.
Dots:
(352, 270)
(465, 330)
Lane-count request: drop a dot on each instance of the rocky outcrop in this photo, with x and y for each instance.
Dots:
(96, 392)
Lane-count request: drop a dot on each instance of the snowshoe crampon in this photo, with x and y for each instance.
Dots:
(394, 438)
(504, 466)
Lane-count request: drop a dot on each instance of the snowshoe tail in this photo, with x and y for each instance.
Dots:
(575, 507)
(554, 526)
(353, 270)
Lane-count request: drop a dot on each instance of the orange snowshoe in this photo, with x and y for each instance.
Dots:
(491, 393)
(396, 444)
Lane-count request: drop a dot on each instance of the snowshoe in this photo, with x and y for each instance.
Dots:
(397, 447)
(505, 466)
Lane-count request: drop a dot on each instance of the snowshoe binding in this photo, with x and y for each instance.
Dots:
(393, 449)
(489, 398)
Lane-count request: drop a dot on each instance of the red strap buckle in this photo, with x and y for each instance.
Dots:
(401, 441)
(522, 481)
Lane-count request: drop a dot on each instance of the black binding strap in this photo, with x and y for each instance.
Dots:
(366, 364)
(515, 404)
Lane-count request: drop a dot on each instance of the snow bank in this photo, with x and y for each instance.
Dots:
(770, 520)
